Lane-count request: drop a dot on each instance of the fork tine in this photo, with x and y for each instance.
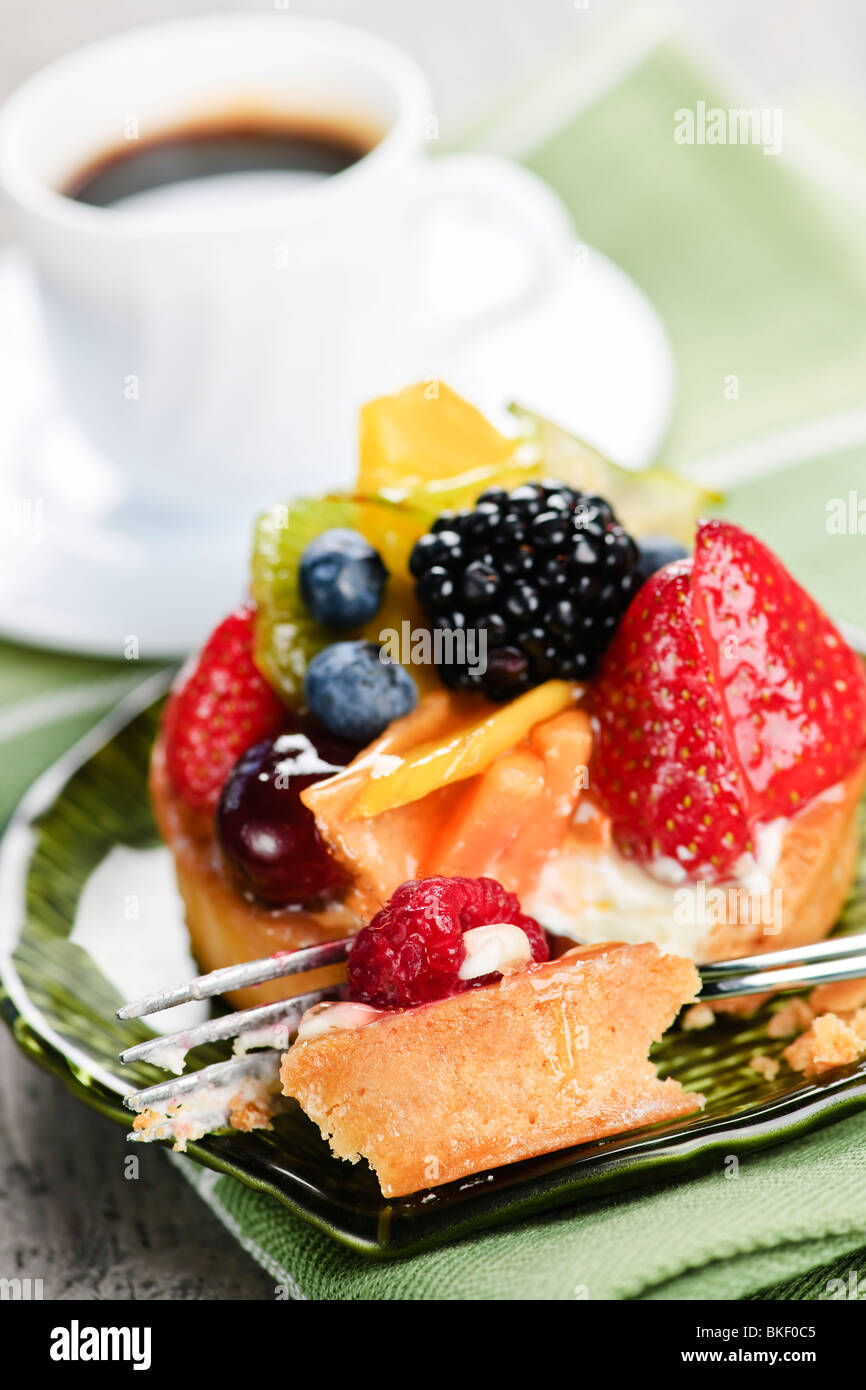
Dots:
(173, 1047)
(252, 972)
(234, 1069)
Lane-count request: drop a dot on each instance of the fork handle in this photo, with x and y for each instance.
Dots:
(791, 977)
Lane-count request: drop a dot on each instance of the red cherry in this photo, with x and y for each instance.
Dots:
(268, 837)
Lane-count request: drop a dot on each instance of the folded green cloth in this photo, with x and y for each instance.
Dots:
(757, 271)
(788, 1211)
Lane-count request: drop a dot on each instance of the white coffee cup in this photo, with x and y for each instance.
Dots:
(217, 360)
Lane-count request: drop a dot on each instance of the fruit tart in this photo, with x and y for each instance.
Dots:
(538, 739)
(505, 657)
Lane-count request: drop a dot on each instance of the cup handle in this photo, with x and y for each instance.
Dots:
(493, 189)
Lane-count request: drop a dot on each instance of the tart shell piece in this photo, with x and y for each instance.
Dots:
(813, 878)
(226, 928)
(553, 1056)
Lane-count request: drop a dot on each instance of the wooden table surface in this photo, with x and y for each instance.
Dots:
(67, 1214)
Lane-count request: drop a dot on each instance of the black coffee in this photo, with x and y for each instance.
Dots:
(250, 154)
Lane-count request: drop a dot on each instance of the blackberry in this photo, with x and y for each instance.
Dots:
(545, 571)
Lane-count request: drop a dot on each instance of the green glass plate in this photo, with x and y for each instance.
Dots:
(89, 917)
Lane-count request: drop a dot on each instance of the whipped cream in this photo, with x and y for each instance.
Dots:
(497, 947)
(322, 1018)
(597, 895)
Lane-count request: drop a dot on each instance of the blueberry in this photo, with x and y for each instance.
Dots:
(354, 693)
(342, 579)
(657, 551)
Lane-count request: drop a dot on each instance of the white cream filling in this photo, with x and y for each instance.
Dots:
(597, 895)
(322, 1018)
(497, 947)
(171, 1057)
(755, 871)
(274, 1035)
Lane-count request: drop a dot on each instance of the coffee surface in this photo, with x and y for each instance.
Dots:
(207, 161)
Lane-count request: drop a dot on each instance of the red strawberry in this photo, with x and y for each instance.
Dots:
(726, 697)
(222, 708)
(663, 767)
(794, 692)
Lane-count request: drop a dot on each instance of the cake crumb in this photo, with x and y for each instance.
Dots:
(766, 1066)
(792, 1018)
(698, 1016)
(841, 997)
(146, 1120)
(249, 1113)
(829, 1042)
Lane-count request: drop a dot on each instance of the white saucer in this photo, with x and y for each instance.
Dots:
(82, 570)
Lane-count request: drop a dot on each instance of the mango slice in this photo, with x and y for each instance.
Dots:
(470, 749)
(382, 853)
(490, 814)
(427, 446)
(564, 746)
(505, 820)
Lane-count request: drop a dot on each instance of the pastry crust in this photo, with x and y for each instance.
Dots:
(552, 1056)
(829, 1042)
(226, 928)
(814, 875)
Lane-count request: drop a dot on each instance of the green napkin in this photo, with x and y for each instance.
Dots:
(786, 1212)
(758, 272)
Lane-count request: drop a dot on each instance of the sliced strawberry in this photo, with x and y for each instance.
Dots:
(727, 697)
(794, 693)
(663, 767)
(220, 710)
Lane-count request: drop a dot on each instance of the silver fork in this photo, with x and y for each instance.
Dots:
(260, 1033)
(267, 1028)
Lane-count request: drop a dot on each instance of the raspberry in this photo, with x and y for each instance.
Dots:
(222, 708)
(412, 950)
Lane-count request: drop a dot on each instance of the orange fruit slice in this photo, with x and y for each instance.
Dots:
(468, 750)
